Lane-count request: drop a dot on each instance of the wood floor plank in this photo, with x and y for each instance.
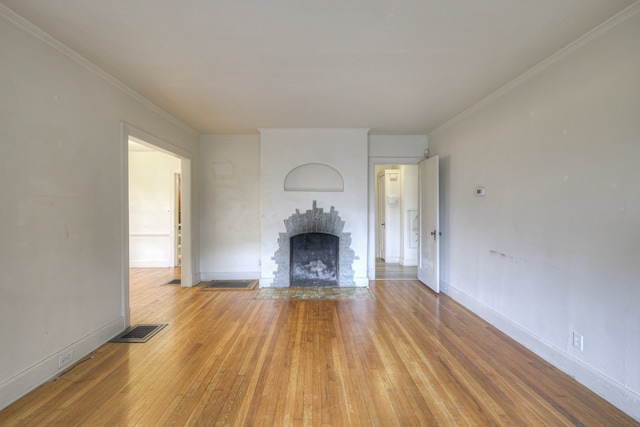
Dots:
(405, 357)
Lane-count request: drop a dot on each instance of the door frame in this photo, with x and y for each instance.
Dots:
(380, 212)
(373, 182)
(177, 219)
(187, 271)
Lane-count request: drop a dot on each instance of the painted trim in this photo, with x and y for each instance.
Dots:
(30, 28)
(617, 394)
(361, 281)
(157, 144)
(125, 308)
(265, 282)
(537, 69)
(188, 276)
(314, 130)
(409, 261)
(189, 220)
(27, 380)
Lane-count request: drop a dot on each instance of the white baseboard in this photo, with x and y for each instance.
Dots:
(409, 262)
(265, 282)
(392, 259)
(32, 377)
(615, 393)
(197, 278)
(242, 275)
(361, 281)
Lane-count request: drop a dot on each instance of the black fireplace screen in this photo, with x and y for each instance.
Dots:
(314, 259)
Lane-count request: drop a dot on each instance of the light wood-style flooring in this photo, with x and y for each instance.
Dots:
(389, 271)
(404, 358)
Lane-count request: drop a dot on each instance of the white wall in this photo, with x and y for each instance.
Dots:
(63, 248)
(152, 208)
(230, 207)
(285, 149)
(553, 248)
(229, 196)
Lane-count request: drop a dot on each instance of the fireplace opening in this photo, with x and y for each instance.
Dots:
(314, 259)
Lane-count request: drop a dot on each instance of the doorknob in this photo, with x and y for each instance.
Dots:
(433, 233)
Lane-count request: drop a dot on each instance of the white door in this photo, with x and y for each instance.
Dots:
(429, 254)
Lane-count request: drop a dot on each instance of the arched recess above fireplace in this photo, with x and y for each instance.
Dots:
(314, 177)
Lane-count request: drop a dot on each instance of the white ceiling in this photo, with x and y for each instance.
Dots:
(395, 66)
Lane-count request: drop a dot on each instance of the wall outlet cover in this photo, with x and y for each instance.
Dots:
(65, 359)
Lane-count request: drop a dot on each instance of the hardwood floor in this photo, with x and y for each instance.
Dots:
(405, 358)
(389, 271)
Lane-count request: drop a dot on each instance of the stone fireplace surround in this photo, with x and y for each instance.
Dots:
(314, 220)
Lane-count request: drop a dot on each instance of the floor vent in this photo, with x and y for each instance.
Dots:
(174, 282)
(239, 285)
(139, 333)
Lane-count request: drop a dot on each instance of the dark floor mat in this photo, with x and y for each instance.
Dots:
(236, 285)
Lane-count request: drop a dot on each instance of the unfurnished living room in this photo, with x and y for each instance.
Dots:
(331, 213)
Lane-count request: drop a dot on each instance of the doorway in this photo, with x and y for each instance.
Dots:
(172, 246)
(396, 223)
(154, 206)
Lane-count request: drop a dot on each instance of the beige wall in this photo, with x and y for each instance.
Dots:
(553, 248)
(63, 211)
(230, 206)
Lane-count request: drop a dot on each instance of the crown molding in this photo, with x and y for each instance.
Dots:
(616, 19)
(30, 28)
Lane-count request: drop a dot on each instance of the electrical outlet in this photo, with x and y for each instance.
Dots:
(65, 359)
(578, 341)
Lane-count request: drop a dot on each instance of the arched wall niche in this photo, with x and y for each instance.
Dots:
(314, 177)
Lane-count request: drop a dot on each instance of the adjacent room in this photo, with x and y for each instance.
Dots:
(337, 212)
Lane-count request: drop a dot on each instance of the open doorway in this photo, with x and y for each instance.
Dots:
(156, 199)
(396, 221)
(154, 207)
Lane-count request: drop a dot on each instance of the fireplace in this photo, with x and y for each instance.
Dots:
(314, 250)
(314, 259)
